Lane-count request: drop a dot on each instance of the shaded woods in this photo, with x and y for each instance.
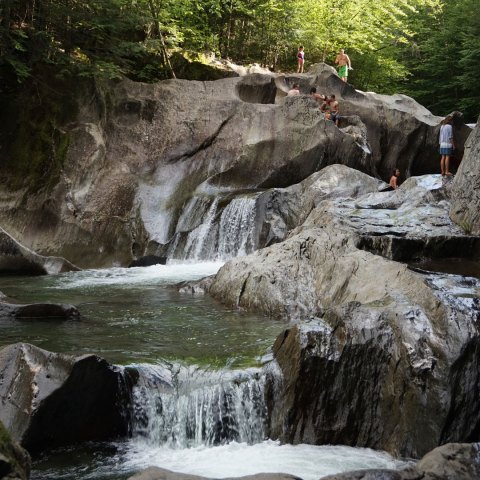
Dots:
(429, 49)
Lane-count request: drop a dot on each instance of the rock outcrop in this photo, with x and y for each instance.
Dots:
(465, 209)
(150, 167)
(16, 259)
(50, 399)
(14, 460)
(383, 355)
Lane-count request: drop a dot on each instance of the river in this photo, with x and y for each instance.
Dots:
(208, 355)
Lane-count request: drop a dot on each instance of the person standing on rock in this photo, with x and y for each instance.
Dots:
(447, 145)
(300, 59)
(344, 64)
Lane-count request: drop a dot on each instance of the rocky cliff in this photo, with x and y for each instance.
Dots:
(383, 354)
(465, 209)
(150, 169)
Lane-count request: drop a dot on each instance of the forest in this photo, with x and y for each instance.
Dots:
(428, 49)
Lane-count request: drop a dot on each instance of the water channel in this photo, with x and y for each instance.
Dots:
(209, 356)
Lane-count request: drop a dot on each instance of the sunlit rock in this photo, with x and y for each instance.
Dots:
(465, 209)
(49, 399)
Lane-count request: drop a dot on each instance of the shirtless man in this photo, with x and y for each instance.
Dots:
(344, 64)
(318, 97)
(334, 110)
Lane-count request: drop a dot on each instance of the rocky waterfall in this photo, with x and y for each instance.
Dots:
(378, 289)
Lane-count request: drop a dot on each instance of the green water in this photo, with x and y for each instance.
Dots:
(137, 315)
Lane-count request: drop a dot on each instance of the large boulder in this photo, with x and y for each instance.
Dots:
(49, 399)
(149, 164)
(465, 209)
(17, 259)
(383, 355)
(14, 460)
(401, 132)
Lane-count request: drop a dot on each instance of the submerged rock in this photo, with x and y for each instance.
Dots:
(49, 399)
(38, 310)
(16, 259)
(155, 473)
(465, 209)
(14, 460)
(382, 356)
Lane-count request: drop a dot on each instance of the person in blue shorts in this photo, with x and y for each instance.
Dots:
(447, 145)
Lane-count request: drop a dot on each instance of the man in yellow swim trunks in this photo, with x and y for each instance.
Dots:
(344, 64)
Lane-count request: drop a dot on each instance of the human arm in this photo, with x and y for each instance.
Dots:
(349, 62)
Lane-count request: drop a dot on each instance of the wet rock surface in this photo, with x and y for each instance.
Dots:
(50, 400)
(155, 473)
(16, 259)
(14, 460)
(141, 156)
(466, 187)
(382, 355)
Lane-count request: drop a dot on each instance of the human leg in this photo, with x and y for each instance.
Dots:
(447, 166)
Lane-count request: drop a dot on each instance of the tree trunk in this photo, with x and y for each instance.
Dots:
(160, 36)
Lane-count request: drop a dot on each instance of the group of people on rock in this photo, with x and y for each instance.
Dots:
(342, 60)
(328, 104)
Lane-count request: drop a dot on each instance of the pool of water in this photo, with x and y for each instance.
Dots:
(468, 267)
(119, 461)
(136, 315)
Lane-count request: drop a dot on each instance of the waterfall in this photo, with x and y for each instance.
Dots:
(237, 228)
(184, 407)
(216, 232)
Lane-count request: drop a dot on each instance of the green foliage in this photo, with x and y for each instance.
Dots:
(446, 63)
(427, 48)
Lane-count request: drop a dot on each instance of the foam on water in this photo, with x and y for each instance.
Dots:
(154, 275)
(309, 462)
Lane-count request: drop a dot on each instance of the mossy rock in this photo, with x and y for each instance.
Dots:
(14, 460)
(196, 70)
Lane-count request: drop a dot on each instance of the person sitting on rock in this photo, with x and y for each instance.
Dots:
(394, 179)
(318, 97)
(295, 90)
(334, 110)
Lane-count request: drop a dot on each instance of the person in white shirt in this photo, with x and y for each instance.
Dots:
(447, 145)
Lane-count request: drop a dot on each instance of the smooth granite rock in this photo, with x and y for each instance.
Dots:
(49, 399)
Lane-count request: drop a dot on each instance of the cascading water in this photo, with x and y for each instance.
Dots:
(182, 407)
(215, 232)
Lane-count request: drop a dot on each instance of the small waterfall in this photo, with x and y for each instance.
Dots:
(237, 228)
(216, 232)
(185, 407)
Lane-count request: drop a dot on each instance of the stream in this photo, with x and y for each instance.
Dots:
(198, 405)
